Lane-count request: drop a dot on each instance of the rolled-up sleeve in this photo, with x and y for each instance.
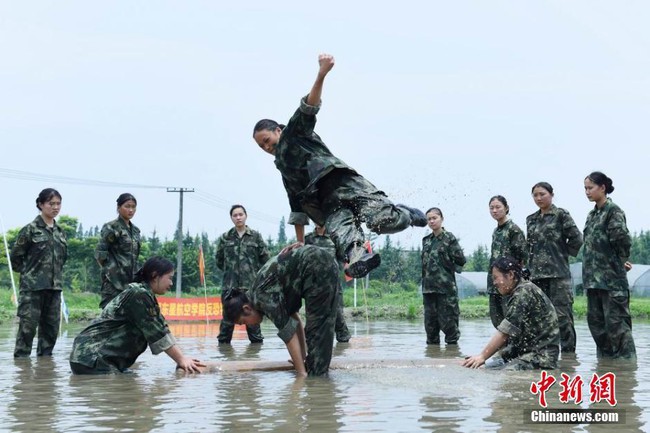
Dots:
(298, 218)
(508, 328)
(163, 344)
(310, 110)
(288, 330)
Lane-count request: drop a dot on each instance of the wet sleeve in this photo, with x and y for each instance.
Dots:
(508, 328)
(516, 314)
(145, 315)
(618, 234)
(572, 234)
(297, 216)
(272, 304)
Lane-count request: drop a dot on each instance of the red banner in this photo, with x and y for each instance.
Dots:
(190, 309)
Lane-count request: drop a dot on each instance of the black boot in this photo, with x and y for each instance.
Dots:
(418, 218)
(360, 262)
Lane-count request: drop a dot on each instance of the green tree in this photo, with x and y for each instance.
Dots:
(282, 234)
(479, 260)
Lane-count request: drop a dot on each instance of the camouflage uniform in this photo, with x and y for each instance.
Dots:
(240, 258)
(341, 328)
(39, 254)
(532, 328)
(606, 249)
(308, 273)
(442, 257)
(322, 187)
(113, 342)
(552, 237)
(507, 240)
(117, 252)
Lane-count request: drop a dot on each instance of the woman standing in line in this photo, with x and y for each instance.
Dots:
(118, 250)
(39, 253)
(507, 240)
(442, 257)
(241, 252)
(552, 237)
(604, 266)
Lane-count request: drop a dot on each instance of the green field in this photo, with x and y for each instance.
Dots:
(390, 302)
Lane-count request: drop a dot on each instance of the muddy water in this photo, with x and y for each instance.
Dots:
(40, 395)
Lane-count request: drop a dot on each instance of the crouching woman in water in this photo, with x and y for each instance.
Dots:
(529, 334)
(310, 273)
(128, 324)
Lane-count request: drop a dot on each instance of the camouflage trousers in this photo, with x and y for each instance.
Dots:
(441, 313)
(226, 329)
(108, 292)
(40, 309)
(348, 200)
(497, 304)
(321, 304)
(560, 293)
(610, 323)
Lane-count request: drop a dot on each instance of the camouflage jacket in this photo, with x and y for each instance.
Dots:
(240, 257)
(118, 251)
(323, 241)
(552, 238)
(531, 325)
(130, 322)
(39, 254)
(507, 240)
(280, 285)
(606, 249)
(442, 257)
(303, 159)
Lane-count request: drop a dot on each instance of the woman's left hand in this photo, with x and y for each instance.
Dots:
(190, 365)
(291, 247)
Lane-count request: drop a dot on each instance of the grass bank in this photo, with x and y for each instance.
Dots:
(378, 302)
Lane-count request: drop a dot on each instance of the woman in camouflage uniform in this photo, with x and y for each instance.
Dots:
(118, 250)
(39, 253)
(604, 266)
(308, 273)
(552, 237)
(529, 333)
(128, 324)
(507, 240)
(442, 257)
(322, 187)
(241, 252)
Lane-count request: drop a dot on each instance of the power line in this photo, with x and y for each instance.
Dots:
(25, 175)
(219, 202)
(201, 196)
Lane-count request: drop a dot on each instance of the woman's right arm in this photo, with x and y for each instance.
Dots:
(325, 64)
(20, 249)
(106, 238)
(498, 340)
(186, 363)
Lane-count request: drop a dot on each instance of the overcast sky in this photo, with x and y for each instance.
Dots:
(437, 103)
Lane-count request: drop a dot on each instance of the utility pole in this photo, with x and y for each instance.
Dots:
(179, 252)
